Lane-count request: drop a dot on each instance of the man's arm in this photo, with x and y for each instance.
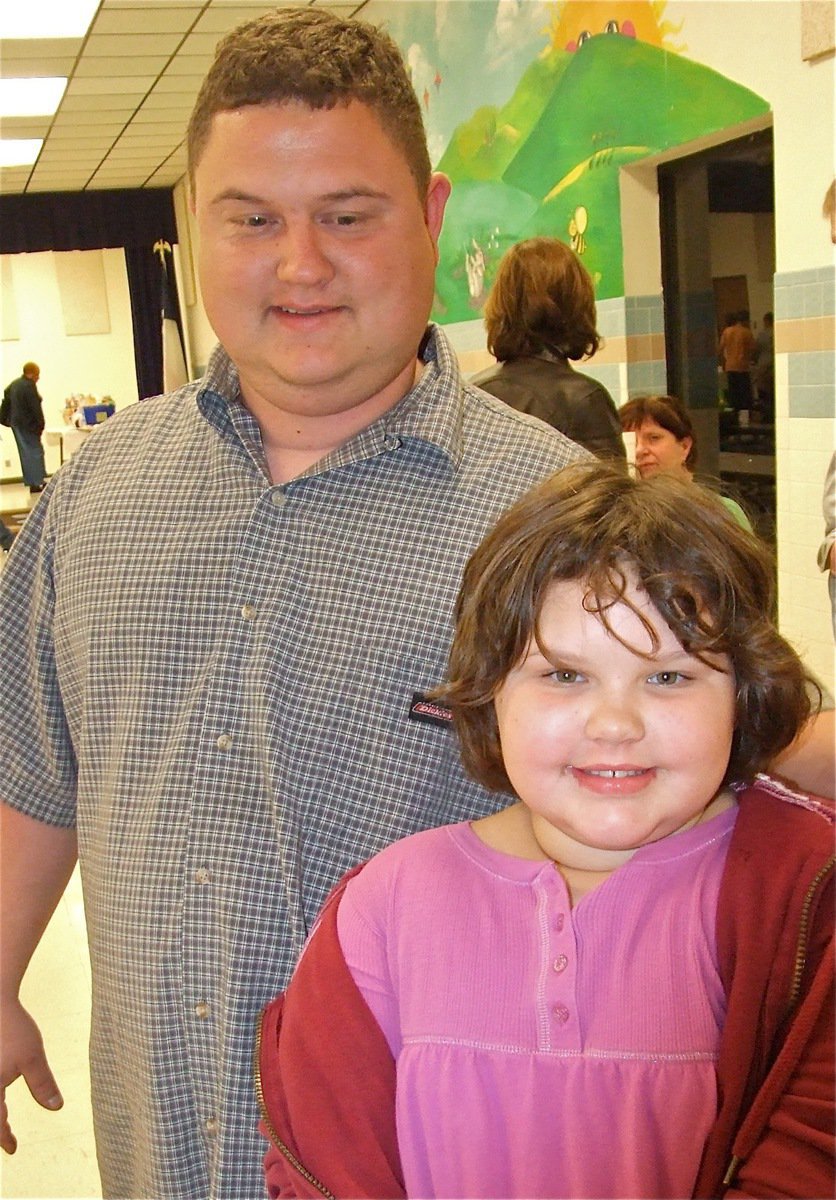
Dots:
(809, 762)
(36, 861)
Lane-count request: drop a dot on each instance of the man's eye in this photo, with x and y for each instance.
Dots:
(254, 221)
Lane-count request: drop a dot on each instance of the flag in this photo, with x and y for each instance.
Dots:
(174, 359)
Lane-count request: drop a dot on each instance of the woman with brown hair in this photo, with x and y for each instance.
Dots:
(666, 443)
(541, 313)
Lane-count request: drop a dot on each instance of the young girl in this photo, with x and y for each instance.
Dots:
(621, 984)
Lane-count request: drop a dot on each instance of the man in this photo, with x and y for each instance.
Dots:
(226, 721)
(763, 373)
(737, 349)
(26, 418)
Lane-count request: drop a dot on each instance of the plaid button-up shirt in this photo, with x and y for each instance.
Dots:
(211, 675)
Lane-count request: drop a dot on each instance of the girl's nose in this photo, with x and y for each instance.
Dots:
(614, 719)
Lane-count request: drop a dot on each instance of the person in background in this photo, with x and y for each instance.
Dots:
(763, 373)
(221, 618)
(828, 209)
(737, 351)
(827, 549)
(7, 536)
(665, 442)
(595, 991)
(26, 419)
(540, 313)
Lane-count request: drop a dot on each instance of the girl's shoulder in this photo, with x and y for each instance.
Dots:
(772, 815)
(410, 860)
(786, 803)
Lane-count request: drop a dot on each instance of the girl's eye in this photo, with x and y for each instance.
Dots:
(667, 678)
(565, 675)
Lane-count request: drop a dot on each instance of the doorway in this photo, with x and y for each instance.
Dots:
(718, 257)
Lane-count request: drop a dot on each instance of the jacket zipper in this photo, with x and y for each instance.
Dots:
(274, 1137)
(801, 950)
(798, 972)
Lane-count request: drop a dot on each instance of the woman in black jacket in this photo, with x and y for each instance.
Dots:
(541, 313)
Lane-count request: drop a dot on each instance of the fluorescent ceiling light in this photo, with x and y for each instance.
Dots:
(47, 18)
(37, 97)
(19, 152)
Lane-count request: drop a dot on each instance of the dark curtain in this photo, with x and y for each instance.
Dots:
(132, 218)
(86, 220)
(144, 286)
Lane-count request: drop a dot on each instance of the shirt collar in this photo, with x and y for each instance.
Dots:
(430, 412)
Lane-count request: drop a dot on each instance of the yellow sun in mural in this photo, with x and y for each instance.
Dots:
(574, 21)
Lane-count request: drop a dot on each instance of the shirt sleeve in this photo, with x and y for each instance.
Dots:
(39, 764)
(363, 942)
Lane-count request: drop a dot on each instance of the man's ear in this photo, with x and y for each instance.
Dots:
(438, 193)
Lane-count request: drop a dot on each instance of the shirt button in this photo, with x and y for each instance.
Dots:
(224, 741)
(559, 923)
(211, 1125)
(201, 1009)
(277, 499)
(201, 875)
(248, 611)
(561, 1013)
(561, 963)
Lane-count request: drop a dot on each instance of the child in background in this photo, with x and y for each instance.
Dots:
(621, 984)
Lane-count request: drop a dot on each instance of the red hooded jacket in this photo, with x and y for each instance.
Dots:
(326, 1079)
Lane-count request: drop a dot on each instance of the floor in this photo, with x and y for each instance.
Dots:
(56, 1156)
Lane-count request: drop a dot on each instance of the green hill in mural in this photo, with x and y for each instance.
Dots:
(483, 146)
(612, 102)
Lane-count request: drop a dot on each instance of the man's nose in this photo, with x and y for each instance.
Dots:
(301, 257)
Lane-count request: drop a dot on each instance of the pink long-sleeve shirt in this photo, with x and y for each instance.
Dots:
(544, 1051)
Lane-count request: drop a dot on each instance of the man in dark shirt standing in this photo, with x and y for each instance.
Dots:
(26, 419)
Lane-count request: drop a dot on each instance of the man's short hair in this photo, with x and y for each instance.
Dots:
(319, 59)
(711, 581)
(542, 298)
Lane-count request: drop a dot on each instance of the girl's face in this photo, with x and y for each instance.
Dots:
(608, 750)
(657, 449)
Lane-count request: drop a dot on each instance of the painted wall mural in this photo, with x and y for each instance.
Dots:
(577, 88)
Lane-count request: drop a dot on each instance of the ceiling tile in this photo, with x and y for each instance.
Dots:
(145, 64)
(127, 88)
(200, 43)
(139, 19)
(219, 19)
(24, 127)
(36, 68)
(123, 45)
(12, 49)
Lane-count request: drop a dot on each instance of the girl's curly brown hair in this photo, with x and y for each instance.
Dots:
(711, 581)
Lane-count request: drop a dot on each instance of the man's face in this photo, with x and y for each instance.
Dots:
(317, 256)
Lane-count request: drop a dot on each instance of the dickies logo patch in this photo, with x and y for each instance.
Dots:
(429, 711)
